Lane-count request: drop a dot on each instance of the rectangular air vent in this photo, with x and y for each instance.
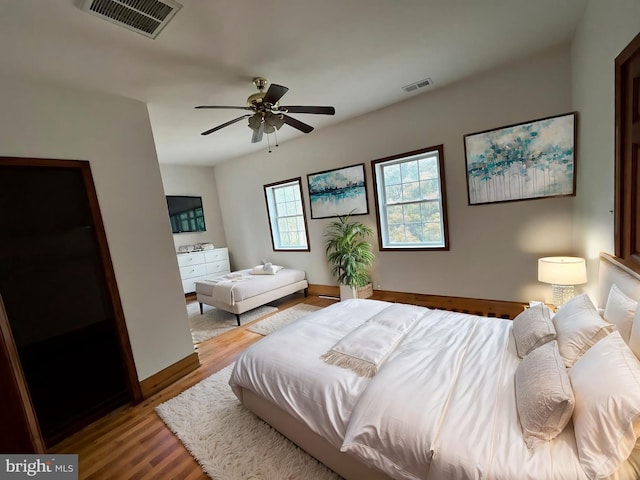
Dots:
(416, 85)
(147, 17)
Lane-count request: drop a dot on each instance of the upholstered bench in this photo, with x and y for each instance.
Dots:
(242, 291)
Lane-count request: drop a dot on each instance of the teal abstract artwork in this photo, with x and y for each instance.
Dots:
(524, 161)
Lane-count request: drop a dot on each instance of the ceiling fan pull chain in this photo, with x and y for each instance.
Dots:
(268, 143)
(275, 135)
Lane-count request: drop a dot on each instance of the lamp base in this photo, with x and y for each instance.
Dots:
(562, 294)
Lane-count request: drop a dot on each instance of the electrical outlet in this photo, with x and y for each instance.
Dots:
(378, 286)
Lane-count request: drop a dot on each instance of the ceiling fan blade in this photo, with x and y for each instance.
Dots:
(220, 106)
(303, 127)
(230, 122)
(274, 93)
(305, 109)
(256, 137)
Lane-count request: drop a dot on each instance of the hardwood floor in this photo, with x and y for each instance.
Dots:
(134, 443)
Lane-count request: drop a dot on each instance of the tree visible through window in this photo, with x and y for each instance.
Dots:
(287, 215)
(410, 200)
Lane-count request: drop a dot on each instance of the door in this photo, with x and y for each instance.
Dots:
(627, 173)
(60, 296)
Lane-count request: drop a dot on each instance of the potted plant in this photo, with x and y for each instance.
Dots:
(349, 256)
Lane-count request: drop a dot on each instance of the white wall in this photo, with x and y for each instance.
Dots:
(114, 134)
(605, 30)
(494, 248)
(198, 181)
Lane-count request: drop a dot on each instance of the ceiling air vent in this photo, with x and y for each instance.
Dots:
(147, 17)
(415, 86)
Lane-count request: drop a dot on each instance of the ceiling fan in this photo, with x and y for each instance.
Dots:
(268, 115)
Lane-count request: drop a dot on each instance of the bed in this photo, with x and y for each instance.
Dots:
(244, 290)
(448, 398)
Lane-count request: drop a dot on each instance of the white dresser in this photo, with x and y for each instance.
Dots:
(195, 266)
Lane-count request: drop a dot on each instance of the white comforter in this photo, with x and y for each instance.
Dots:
(442, 405)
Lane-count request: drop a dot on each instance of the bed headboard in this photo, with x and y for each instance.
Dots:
(611, 271)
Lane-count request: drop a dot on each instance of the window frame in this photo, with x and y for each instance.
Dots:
(382, 229)
(268, 189)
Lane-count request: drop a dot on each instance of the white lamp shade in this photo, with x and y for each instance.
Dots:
(562, 270)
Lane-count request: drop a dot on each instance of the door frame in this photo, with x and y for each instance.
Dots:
(9, 358)
(627, 182)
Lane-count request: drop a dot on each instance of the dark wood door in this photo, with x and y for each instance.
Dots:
(60, 297)
(627, 223)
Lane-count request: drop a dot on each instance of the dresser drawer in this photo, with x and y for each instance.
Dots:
(187, 259)
(218, 268)
(193, 271)
(216, 255)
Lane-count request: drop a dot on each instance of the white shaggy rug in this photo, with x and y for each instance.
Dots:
(215, 322)
(280, 319)
(230, 442)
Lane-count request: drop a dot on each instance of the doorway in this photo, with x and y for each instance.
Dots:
(60, 296)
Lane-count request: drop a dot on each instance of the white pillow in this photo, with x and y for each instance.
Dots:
(606, 417)
(578, 327)
(634, 337)
(620, 311)
(544, 398)
(532, 328)
(266, 269)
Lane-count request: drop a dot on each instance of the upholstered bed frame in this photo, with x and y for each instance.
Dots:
(610, 271)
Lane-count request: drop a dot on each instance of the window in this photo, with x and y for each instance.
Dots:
(287, 215)
(410, 200)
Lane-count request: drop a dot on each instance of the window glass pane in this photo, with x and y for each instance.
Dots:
(396, 233)
(413, 232)
(279, 195)
(394, 214)
(392, 174)
(412, 213)
(428, 168)
(288, 194)
(411, 192)
(430, 189)
(430, 212)
(394, 194)
(409, 171)
(432, 232)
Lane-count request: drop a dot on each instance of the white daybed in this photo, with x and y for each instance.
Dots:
(442, 404)
(241, 291)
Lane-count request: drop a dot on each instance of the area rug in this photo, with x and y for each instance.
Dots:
(230, 442)
(215, 322)
(280, 319)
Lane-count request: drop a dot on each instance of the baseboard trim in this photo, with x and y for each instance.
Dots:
(475, 306)
(153, 384)
(326, 290)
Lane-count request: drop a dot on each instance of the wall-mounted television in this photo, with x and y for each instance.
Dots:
(185, 213)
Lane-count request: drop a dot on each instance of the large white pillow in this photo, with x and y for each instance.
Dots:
(578, 327)
(620, 311)
(532, 328)
(634, 337)
(544, 397)
(606, 417)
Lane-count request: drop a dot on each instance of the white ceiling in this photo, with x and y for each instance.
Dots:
(352, 54)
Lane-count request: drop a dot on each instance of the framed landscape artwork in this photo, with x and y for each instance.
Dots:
(528, 160)
(338, 192)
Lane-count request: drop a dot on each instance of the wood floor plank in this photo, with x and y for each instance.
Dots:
(134, 443)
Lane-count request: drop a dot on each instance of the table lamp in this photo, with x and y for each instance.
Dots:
(562, 273)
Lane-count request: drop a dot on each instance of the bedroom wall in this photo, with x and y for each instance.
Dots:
(494, 248)
(114, 134)
(605, 30)
(198, 181)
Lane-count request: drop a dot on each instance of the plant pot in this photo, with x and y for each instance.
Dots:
(347, 292)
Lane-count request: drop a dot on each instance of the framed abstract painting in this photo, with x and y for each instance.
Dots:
(337, 192)
(524, 161)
